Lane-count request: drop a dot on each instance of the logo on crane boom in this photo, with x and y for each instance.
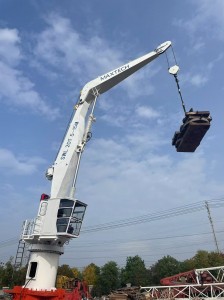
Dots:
(114, 72)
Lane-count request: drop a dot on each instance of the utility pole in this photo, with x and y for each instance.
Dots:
(211, 222)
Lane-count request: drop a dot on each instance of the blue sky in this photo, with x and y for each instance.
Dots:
(48, 51)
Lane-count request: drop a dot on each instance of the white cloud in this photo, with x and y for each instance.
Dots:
(147, 112)
(117, 121)
(15, 88)
(139, 84)
(18, 90)
(198, 45)
(18, 165)
(146, 139)
(208, 19)
(9, 49)
(138, 115)
(205, 29)
(213, 62)
(198, 80)
(195, 79)
(63, 48)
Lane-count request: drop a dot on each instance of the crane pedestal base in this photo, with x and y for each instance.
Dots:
(20, 293)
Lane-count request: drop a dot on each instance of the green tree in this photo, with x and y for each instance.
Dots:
(187, 265)
(167, 266)
(1, 274)
(201, 259)
(134, 272)
(76, 273)
(91, 273)
(19, 276)
(66, 271)
(109, 278)
(215, 259)
(6, 272)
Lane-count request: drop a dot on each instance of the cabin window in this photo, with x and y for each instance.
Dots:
(69, 217)
(33, 269)
(66, 203)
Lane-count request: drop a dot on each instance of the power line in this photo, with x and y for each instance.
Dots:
(186, 209)
(8, 242)
(138, 248)
(124, 256)
(143, 240)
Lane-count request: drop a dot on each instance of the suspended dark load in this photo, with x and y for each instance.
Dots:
(194, 127)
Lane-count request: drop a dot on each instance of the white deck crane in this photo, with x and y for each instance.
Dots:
(60, 217)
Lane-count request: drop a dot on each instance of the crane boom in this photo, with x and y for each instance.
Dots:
(65, 168)
(106, 81)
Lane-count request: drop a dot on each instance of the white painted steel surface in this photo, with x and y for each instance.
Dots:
(47, 266)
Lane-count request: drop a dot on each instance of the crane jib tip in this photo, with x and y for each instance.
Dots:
(163, 47)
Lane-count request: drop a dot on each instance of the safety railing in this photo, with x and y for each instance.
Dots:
(31, 227)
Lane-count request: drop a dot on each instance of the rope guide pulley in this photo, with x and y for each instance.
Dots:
(173, 71)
